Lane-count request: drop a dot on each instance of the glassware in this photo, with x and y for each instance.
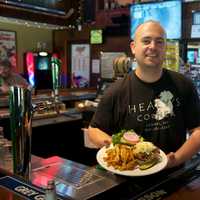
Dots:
(1, 132)
(50, 192)
(1, 154)
(2, 141)
(8, 156)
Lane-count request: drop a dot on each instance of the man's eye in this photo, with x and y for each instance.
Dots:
(160, 42)
(146, 41)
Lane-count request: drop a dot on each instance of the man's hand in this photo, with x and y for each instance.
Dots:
(172, 160)
(98, 137)
(186, 151)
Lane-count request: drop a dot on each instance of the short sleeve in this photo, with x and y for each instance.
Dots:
(192, 108)
(103, 117)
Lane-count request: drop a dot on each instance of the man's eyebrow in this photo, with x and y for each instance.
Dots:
(157, 38)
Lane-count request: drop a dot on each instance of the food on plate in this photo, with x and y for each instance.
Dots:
(121, 157)
(130, 137)
(146, 154)
(126, 137)
(129, 152)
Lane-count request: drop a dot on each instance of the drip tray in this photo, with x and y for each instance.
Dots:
(72, 179)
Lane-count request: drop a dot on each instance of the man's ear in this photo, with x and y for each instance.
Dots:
(132, 46)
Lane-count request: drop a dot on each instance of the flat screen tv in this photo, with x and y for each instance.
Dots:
(193, 56)
(168, 13)
(43, 75)
(55, 6)
(190, 56)
(43, 62)
(196, 18)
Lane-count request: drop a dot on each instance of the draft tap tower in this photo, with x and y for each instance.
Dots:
(21, 129)
(55, 69)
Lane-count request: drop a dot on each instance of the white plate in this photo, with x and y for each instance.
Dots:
(136, 172)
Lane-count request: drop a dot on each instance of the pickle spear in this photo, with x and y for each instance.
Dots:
(148, 164)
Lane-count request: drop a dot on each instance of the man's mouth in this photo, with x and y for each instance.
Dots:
(152, 56)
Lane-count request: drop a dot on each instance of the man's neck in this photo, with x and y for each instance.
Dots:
(149, 76)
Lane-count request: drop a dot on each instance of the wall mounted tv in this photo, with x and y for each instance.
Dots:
(168, 13)
(43, 62)
(54, 7)
(43, 75)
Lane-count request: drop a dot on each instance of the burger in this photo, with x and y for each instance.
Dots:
(146, 154)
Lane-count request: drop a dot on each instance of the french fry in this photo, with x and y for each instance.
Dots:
(121, 157)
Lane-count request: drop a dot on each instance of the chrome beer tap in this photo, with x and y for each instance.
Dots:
(21, 112)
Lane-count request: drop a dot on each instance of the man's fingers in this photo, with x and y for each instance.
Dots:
(106, 143)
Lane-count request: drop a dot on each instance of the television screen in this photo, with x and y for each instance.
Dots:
(193, 56)
(55, 6)
(190, 56)
(96, 36)
(196, 18)
(168, 13)
(43, 75)
(42, 62)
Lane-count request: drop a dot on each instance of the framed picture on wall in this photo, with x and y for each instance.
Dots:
(8, 48)
(80, 65)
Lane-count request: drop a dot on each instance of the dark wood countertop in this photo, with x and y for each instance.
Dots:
(69, 115)
(64, 95)
(191, 191)
(56, 120)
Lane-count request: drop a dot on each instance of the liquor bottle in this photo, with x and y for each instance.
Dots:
(113, 4)
(106, 4)
(50, 192)
(1, 81)
(6, 161)
(1, 148)
(8, 156)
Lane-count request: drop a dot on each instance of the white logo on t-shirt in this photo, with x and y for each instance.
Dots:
(164, 105)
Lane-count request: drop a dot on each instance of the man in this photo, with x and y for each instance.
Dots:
(9, 77)
(159, 104)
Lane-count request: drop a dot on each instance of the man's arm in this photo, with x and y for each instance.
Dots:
(98, 137)
(186, 151)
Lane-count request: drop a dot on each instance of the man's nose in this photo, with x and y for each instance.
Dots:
(152, 44)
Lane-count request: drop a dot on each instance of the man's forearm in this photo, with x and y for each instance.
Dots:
(189, 148)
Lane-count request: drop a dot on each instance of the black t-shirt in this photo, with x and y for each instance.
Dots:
(161, 112)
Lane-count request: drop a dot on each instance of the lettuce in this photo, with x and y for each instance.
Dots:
(116, 138)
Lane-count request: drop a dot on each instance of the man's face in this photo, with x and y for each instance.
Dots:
(4, 71)
(149, 45)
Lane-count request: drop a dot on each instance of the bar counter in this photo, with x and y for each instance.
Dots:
(65, 95)
(46, 139)
(80, 182)
(189, 191)
(77, 180)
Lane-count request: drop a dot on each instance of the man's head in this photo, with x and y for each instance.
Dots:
(5, 68)
(149, 45)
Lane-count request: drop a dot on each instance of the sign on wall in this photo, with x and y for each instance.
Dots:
(106, 60)
(80, 65)
(172, 56)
